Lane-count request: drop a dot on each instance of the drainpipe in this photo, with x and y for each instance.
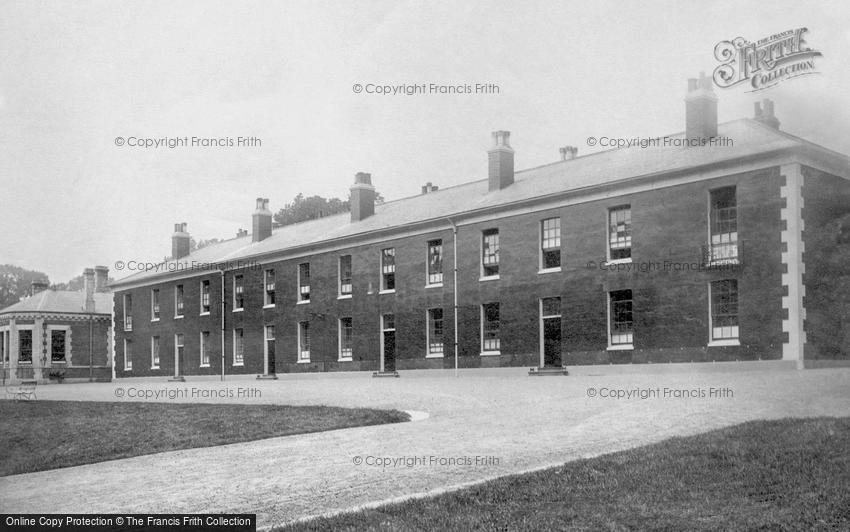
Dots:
(91, 347)
(222, 324)
(454, 288)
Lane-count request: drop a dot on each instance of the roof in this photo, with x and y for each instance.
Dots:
(61, 301)
(750, 138)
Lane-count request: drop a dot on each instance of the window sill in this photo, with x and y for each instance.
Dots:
(621, 347)
(730, 342)
(345, 359)
(128, 330)
(207, 313)
(490, 353)
(154, 319)
(238, 309)
(489, 278)
(155, 367)
(390, 291)
(178, 317)
(304, 361)
(435, 285)
(618, 261)
(303, 302)
(268, 306)
(434, 355)
(549, 270)
(239, 365)
(204, 366)
(344, 296)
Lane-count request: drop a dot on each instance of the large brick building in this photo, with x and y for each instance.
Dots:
(673, 251)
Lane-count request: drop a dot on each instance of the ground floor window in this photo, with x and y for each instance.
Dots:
(238, 347)
(155, 352)
(25, 346)
(346, 331)
(58, 345)
(204, 348)
(435, 331)
(304, 341)
(621, 319)
(128, 355)
(724, 309)
(490, 340)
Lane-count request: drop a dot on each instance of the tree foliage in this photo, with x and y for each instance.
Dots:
(302, 209)
(16, 282)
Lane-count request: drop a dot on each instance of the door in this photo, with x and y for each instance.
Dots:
(550, 332)
(270, 366)
(388, 345)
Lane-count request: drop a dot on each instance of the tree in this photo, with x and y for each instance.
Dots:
(199, 244)
(302, 209)
(16, 283)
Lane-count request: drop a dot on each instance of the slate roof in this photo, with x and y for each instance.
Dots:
(750, 138)
(61, 301)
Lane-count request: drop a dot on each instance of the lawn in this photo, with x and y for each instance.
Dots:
(41, 435)
(790, 474)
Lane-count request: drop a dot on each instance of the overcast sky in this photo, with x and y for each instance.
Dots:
(74, 76)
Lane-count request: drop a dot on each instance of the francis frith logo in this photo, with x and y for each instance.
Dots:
(766, 62)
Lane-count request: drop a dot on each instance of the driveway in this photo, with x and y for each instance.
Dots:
(483, 424)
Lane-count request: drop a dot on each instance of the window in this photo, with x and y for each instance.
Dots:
(238, 347)
(304, 282)
(490, 253)
(724, 226)
(178, 301)
(435, 262)
(345, 275)
(238, 292)
(25, 346)
(155, 352)
(388, 269)
(205, 297)
(346, 333)
(268, 284)
(435, 332)
(128, 312)
(4, 353)
(304, 341)
(155, 304)
(724, 310)
(204, 349)
(550, 243)
(620, 233)
(128, 355)
(58, 345)
(621, 321)
(490, 328)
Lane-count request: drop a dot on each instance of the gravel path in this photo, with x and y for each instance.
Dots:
(510, 421)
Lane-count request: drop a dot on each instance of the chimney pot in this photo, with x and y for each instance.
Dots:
(362, 200)
(501, 161)
(568, 152)
(37, 286)
(764, 113)
(429, 187)
(180, 241)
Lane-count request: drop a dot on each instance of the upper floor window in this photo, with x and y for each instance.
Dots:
(724, 309)
(205, 297)
(621, 320)
(388, 269)
(723, 221)
(345, 275)
(490, 325)
(178, 301)
(490, 253)
(154, 304)
(435, 262)
(304, 281)
(268, 287)
(128, 312)
(550, 243)
(238, 292)
(620, 233)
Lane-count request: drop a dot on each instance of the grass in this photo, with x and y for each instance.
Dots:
(790, 474)
(42, 435)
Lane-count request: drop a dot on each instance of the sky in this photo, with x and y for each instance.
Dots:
(75, 76)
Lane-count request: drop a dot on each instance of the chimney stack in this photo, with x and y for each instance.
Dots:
(101, 279)
(241, 232)
(180, 242)
(37, 286)
(88, 288)
(261, 221)
(501, 161)
(764, 114)
(362, 197)
(700, 108)
(568, 153)
(427, 188)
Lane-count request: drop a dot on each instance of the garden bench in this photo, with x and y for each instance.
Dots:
(25, 390)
